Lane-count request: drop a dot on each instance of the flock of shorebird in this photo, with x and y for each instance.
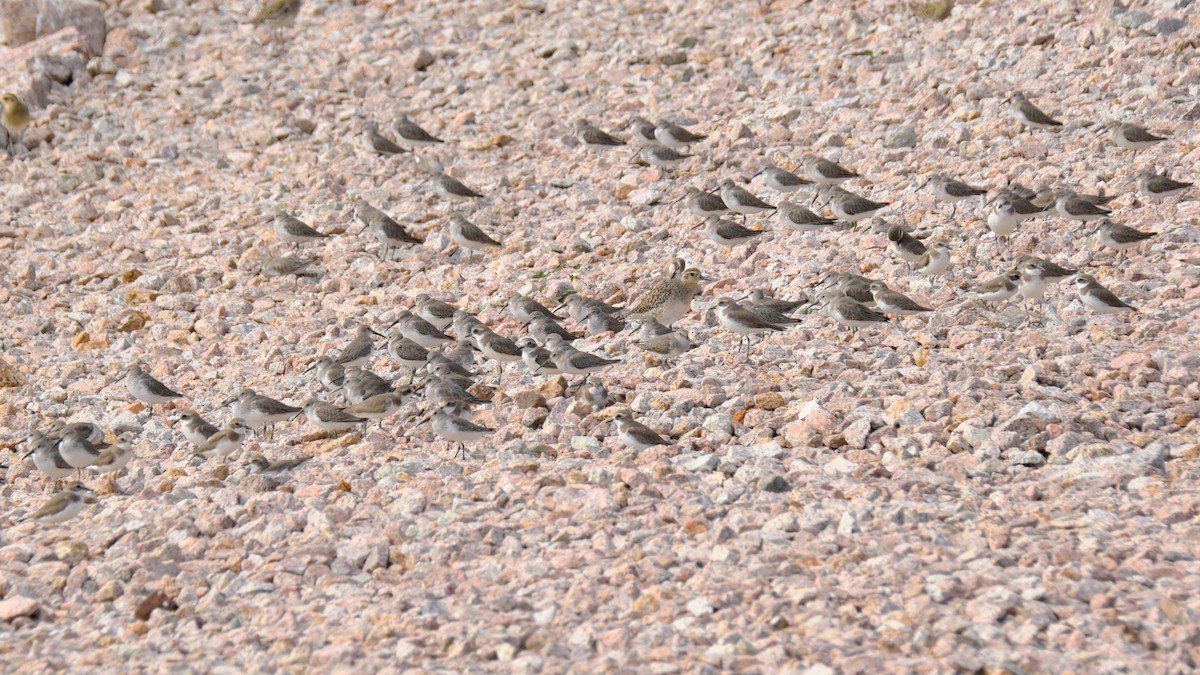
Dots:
(439, 343)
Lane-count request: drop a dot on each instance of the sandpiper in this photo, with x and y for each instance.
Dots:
(407, 352)
(452, 189)
(907, 247)
(593, 137)
(598, 321)
(661, 156)
(495, 347)
(381, 406)
(847, 205)
(854, 286)
(436, 312)
(800, 219)
(446, 393)
(455, 429)
(358, 351)
(1132, 136)
(412, 133)
(953, 191)
(1029, 114)
(674, 136)
(261, 464)
(378, 143)
(649, 327)
(1073, 207)
(226, 441)
(542, 326)
(330, 418)
(1120, 237)
(536, 359)
(330, 373)
(729, 233)
(579, 307)
(277, 13)
(289, 266)
(1098, 298)
(47, 457)
(146, 389)
(782, 181)
(743, 322)
(1002, 220)
(572, 361)
(291, 229)
(1157, 187)
(89, 430)
(524, 308)
(114, 458)
(704, 204)
(61, 507)
(893, 302)
(594, 394)
(258, 411)
(468, 235)
(740, 200)
(669, 300)
(1023, 208)
(642, 130)
(389, 233)
(463, 322)
(1051, 272)
(826, 172)
(195, 429)
(758, 297)
(420, 331)
(635, 435)
(363, 384)
(447, 371)
(667, 346)
(995, 291)
(1032, 285)
(850, 312)
(935, 261)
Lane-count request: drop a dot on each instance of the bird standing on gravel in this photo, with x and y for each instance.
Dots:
(142, 386)
(15, 118)
(669, 300)
(277, 13)
(635, 435)
(61, 507)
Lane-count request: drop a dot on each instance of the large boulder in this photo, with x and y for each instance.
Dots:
(24, 21)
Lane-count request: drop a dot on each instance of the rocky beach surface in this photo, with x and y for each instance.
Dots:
(977, 489)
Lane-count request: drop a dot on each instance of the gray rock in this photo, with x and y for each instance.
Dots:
(1133, 19)
(1026, 458)
(774, 484)
(973, 436)
(902, 137)
(847, 525)
(584, 443)
(1170, 25)
(720, 423)
(856, 433)
(783, 523)
(422, 59)
(705, 462)
(1064, 443)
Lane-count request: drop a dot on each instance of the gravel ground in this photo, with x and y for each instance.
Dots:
(962, 491)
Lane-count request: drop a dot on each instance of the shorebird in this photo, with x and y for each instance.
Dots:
(635, 435)
(62, 507)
